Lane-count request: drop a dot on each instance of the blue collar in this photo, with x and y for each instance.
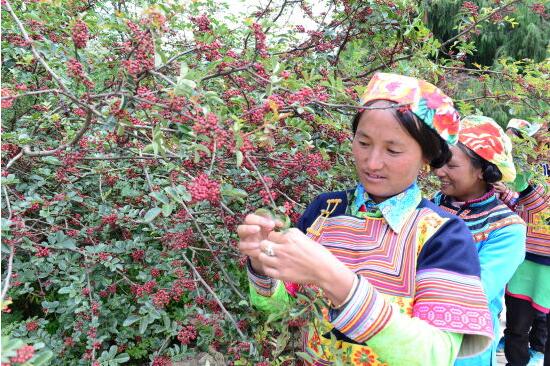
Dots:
(396, 209)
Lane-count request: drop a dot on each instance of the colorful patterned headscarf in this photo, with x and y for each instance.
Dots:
(524, 126)
(487, 139)
(425, 100)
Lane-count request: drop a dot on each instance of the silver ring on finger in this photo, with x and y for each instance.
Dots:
(269, 250)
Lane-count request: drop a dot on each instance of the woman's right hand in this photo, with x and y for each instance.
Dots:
(500, 187)
(252, 231)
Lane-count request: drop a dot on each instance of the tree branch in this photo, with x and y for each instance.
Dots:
(367, 73)
(209, 289)
(174, 58)
(496, 10)
(268, 190)
(35, 92)
(12, 252)
(39, 58)
(14, 159)
(224, 73)
(463, 69)
(205, 240)
(8, 274)
(27, 149)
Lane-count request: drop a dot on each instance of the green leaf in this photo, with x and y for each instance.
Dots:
(182, 192)
(143, 324)
(10, 347)
(149, 148)
(166, 321)
(202, 148)
(184, 69)
(50, 305)
(304, 355)
(131, 320)
(68, 244)
(240, 158)
(112, 351)
(121, 358)
(65, 290)
(159, 196)
(41, 358)
(234, 192)
(167, 209)
(185, 87)
(151, 214)
(178, 193)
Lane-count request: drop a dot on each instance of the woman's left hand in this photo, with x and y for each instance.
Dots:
(298, 259)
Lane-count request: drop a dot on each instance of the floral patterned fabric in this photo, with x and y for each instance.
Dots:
(484, 136)
(425, 100)
(524, 126)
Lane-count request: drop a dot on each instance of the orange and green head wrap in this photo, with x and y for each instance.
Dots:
(425, 100)
(486, 138)
(524, 126)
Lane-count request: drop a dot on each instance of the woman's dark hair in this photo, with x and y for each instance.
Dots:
(491, 173)
(516, 132)
(434, 148)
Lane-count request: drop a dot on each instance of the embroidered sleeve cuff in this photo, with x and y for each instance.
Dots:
(509, 197)
(364, 315)
(263, 285)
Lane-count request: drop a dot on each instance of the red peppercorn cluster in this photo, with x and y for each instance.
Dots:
(207, 125)
(202, 22)
(31, 326)
(109, 219)
(211, 51)
(10, 149)
(16, 40)
(138, 255)
(145, 289)
(181, 286)
(42, 251)
(187, 334)
(80, 34)
(141, 49)
(147, 94)
(161, 299)
(76, 70)
(24, 354)
(162, 361)
(203, 188)
(471, 8)
(259, 35)
(538, 8)
(178, 240)
(7, 103)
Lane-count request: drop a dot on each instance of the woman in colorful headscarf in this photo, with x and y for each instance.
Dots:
(528, 292)
(482, 157)
(401, 275)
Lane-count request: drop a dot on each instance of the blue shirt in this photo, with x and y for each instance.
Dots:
(499, 236)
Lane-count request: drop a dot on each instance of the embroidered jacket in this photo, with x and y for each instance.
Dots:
(533, 206)
(499, 237)
(418, 286)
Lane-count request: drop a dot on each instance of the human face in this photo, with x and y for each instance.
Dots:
(459, 178)
(387, 158)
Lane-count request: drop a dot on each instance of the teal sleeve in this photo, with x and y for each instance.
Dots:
(499, 257)
(420, 344)
(277, 301)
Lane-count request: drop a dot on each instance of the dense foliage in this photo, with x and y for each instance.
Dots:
(521, 30)
(137, 134)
